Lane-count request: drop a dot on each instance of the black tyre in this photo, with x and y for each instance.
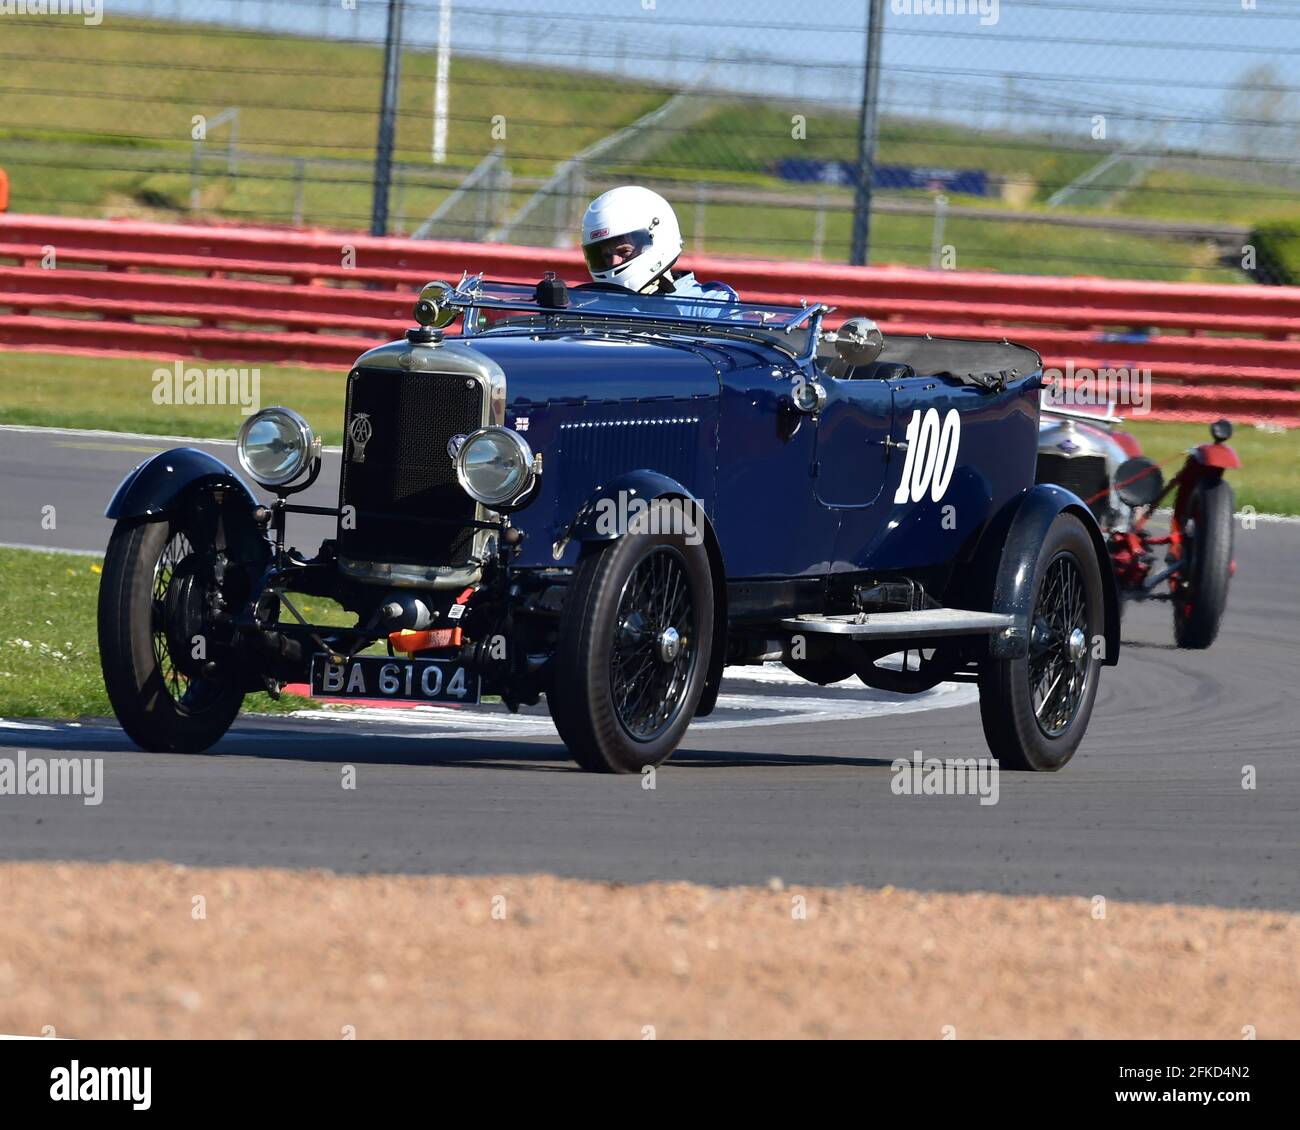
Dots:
(1035, 710)
(633, 651)
(1202, 594)
(149, 571)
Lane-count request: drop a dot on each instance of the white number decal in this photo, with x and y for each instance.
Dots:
(927, 447)
(945, 461)
(931, 455)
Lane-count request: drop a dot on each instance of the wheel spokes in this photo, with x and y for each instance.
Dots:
(1060, 649)
(650, 665)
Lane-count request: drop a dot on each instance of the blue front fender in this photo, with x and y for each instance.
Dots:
(588, 526)
(155, 487)
(644, 485)
(1028, 520)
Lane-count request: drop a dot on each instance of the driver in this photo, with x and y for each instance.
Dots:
(631, 238)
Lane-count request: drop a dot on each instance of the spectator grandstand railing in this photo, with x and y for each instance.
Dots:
(318, 298)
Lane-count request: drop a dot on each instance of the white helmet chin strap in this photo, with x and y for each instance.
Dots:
(657, 283)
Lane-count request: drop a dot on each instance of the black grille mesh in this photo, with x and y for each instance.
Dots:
(407, 474)
(1084, 475)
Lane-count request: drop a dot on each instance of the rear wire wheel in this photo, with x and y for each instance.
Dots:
(150, 606)
(1035, 709)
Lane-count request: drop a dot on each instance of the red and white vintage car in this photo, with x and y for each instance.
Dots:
(1191, 564)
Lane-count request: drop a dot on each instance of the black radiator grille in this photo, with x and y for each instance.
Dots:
(407, 475)
(1084, 475)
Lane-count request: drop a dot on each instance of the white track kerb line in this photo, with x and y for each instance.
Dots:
(100, 433)
(759, 707)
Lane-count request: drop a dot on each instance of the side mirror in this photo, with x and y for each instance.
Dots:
(1138, 481)
(859, 341)
(434, 305)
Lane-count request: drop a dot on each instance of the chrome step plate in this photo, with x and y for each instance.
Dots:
(926, 622)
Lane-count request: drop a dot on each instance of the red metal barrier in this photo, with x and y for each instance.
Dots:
(276, 294)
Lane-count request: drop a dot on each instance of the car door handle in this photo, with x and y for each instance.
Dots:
(889, 441)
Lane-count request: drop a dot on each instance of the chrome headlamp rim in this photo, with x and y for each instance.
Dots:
(522, 450)
(308, 447)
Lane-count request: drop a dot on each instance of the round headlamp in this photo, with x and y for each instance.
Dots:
(276, 446)
(495, 466)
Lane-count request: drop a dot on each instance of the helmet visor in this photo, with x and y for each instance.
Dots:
(615, 250)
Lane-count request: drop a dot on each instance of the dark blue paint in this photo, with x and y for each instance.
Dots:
(1026, 523)
(789, 496)
(155, 485)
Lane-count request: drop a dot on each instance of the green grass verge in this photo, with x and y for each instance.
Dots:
(740, 143)
(117, 141)
(115, 393)
(151, 76)
(1029, 248)
(1278, 246)
(1267, 479)
(49, 655)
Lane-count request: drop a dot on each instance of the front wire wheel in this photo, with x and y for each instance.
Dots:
(170, 577)
(633, 651)
(654, 645)
(150, 607)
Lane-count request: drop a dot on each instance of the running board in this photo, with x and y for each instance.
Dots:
(923, 623)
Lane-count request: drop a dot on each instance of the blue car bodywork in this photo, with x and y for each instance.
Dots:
(833, 490)
(802, 508)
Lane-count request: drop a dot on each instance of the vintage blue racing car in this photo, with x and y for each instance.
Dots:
(606, 498)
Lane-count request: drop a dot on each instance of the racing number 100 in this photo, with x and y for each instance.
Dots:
(931, 455)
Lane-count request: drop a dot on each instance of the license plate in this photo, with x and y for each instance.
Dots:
(375, 677)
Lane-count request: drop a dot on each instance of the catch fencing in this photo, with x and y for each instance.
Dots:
(319, 298)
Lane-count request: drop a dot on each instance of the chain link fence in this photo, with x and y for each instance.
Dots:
(1144, 139)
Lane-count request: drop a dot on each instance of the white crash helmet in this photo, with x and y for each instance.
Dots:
(630, 236)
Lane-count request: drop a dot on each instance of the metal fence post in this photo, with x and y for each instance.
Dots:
(387, 115)
(301, 170)
(861, 250)
(441, 78)
(194, 176)
(936, 239)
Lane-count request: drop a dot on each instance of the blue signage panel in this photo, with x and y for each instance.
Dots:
(967, 182)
